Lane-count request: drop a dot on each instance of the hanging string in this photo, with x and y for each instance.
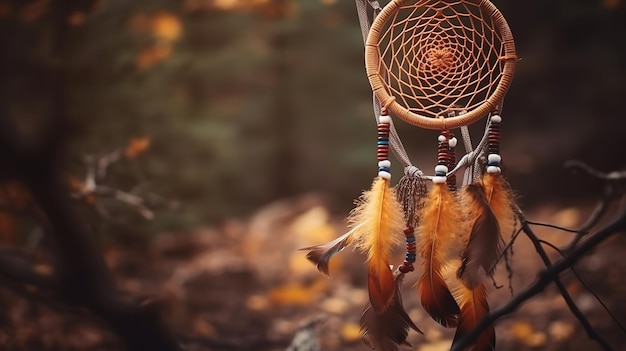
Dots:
(395, 144)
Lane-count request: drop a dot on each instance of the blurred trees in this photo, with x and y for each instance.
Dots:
(246, 101)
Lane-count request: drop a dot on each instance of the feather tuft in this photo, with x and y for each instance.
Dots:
(438, 230)
(387, 330)
(321, 254)
(484, 243)
(377, 220)
(474, 307)
(411, 190)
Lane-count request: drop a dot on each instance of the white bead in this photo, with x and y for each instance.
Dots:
(452, 142)
(439, 179)
(441, 168)
(384, 163)
(441, 138)
(494, 158)
(496, 119)
(384, 175)
(384, 119)
(493, 169)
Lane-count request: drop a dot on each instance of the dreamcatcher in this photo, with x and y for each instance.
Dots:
(439, 65)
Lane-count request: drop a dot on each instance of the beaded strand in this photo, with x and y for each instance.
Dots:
(493, 146)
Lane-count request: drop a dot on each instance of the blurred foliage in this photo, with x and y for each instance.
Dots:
(248, 101)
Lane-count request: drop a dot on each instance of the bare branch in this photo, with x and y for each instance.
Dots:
(591, 332)
(544, 279)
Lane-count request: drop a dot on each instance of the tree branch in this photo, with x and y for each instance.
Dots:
(544, 279)
(591, 332)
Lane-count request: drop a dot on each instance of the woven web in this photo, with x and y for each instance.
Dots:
(439, 58)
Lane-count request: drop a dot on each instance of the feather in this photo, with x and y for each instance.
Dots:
(500, 199)
(437, 231)
(484, 244)
(474, 307)
(377, 220)
(387, 330)
(321, 254)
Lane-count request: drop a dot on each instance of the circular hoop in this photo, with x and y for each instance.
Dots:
(438, 59)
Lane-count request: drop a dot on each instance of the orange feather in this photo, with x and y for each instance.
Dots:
(377, 222)
(438, 230)
(474, 307)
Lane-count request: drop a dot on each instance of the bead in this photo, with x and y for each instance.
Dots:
(441, 168)
(452, 142)
(384, 174)
(494, 158)
(439, 179)
(383, 142)
(384, 163)
(384, 119)
(493, 169)
(384, 169)
(496, 119)
(406, 267)
(441, 138)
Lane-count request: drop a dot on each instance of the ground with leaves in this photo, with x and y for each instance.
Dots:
(243, 285)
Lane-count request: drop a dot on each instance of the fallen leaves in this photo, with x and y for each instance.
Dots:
(526, 334)
(136, 147)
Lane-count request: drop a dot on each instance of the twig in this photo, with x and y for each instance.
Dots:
(582, 281)
(591, 332)
(553, 226)
(544, 279)
(614, 188)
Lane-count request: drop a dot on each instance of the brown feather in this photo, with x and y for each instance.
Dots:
(378, 222)
(385, 331)
(320, 255)
(484, 244)
(380, 285)
(474, 307)
(501, 200)
(438, 230)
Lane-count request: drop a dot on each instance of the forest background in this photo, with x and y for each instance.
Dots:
(246, 103)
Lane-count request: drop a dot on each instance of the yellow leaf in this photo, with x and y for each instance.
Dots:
(136, 147)
(293, 294)
(521, 330)
(298, 294)
(525, 333)
(166, 26)
(350, 332)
